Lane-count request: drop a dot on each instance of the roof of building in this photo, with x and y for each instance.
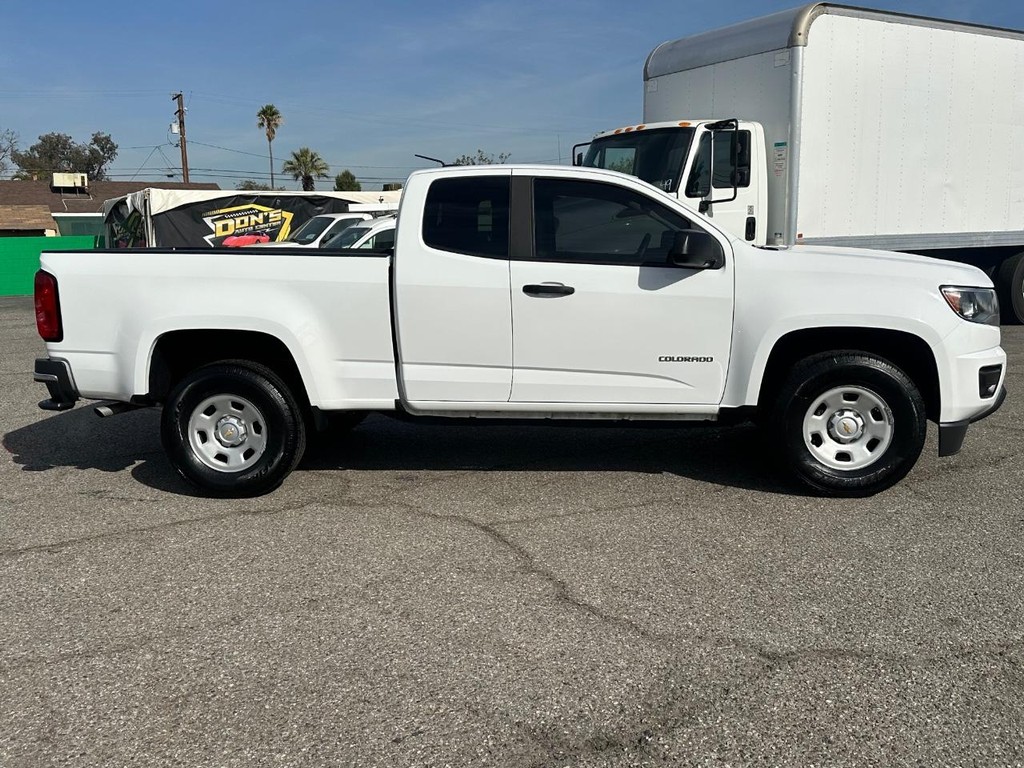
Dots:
(16, 218)
(90, 200)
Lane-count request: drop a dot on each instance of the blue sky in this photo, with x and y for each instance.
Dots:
(367, 85)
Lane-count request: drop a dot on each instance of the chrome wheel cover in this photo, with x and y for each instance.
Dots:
(848, 428)
(227, 433)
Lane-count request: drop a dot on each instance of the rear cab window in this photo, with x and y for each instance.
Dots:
(468, 215)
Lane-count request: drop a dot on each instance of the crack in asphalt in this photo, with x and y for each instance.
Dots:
(530, 565)
(668, 711)
(136, 644)
(1000, 651)
(58, 546)
(585, 512)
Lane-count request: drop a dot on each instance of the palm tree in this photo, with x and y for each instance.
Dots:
(307, 165)
(269, 118)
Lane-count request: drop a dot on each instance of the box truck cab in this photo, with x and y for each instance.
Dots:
(835, 125)
(718, 166)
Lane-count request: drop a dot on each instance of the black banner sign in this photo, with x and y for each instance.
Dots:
(239, 219)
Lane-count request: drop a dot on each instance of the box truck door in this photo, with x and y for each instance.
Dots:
(719, 180)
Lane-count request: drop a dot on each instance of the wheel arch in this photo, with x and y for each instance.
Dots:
(909, 352)
(176, 353)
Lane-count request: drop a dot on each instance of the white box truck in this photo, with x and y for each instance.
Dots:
(835, 125)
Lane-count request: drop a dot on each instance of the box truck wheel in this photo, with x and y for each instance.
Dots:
(1009, 282)
(849, 423)
(233, 429)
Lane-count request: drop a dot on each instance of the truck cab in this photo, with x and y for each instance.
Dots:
(717, 166)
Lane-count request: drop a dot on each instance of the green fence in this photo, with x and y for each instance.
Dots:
(19, 259)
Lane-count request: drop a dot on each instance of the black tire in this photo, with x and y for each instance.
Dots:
(849, 423)
(1009, 280)
(233, 429)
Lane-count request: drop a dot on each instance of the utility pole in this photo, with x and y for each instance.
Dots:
(181, 135)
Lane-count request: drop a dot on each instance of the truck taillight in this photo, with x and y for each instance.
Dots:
(48, 307)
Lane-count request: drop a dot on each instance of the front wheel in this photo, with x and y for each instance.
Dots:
(849, 424)
(233, 429)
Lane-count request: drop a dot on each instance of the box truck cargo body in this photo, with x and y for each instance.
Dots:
(836, 125)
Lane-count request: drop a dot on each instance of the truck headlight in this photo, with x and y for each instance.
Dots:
(979, 305)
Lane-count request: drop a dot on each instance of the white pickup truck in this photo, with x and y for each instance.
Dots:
(529, 292)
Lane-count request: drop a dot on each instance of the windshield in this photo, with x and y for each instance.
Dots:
(311, 230)
(347, 237)
(656, 156)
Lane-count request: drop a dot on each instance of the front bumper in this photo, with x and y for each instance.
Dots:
(952, 433)
(56, 375)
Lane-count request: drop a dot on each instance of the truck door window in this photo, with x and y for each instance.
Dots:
(727, 174)
(591, 222)
(468, 215)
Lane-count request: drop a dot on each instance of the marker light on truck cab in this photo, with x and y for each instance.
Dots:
(47, 307)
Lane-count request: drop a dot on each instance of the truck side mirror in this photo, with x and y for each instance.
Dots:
(578, 161)
(696, 249)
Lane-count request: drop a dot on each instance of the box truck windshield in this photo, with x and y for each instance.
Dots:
(656, 155)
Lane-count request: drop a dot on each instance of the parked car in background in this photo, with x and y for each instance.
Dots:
(317, 230)
(176, 218)
(237, 241)
(374, 235)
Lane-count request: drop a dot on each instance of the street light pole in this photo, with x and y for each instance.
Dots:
(181, 135)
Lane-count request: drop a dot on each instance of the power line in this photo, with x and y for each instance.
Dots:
(262, 156)
(143, 164)
(386, 119)
(228, 149)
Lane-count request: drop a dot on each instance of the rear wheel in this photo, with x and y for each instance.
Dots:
(849, 423)
(233, 429)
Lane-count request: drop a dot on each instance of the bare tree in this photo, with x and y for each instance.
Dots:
(8, 146)
(481, 158)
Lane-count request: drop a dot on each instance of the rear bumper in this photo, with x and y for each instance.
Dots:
(56, 375)
(952, 433)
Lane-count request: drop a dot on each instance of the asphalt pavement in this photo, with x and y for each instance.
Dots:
(424, 595)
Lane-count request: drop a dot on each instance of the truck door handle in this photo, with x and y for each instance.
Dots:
(548, 289)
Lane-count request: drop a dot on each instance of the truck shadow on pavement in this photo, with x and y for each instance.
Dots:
(726, 456)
